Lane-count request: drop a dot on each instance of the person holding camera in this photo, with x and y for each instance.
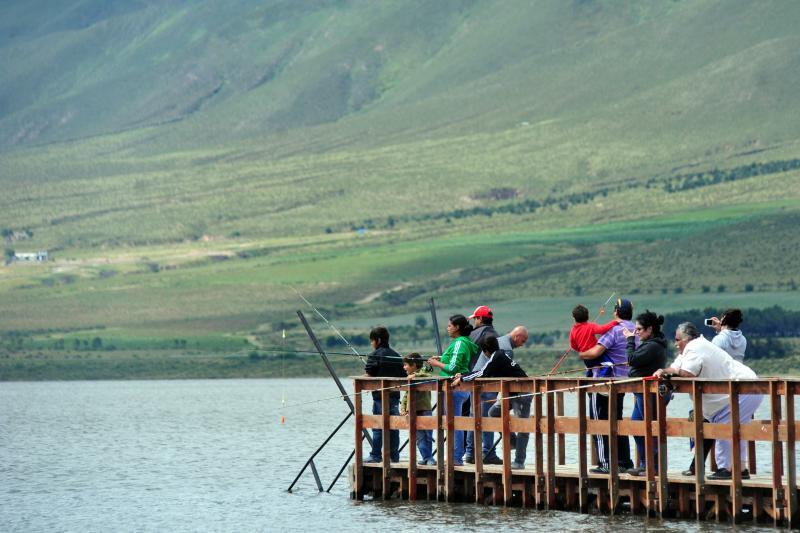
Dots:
(729, 337)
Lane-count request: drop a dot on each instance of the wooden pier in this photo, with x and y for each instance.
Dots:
(549, 482)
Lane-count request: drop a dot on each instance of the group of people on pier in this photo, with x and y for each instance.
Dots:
(626, 348)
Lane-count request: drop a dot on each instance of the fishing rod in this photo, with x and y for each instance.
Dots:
(566, 353)
(334, 328)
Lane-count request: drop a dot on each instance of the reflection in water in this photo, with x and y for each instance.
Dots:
(213, 454)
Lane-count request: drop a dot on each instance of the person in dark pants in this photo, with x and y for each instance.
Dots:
(384, 362)
(611, 361)
(643, 361)
(484, 328)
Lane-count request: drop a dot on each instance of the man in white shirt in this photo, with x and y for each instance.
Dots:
(700, 358)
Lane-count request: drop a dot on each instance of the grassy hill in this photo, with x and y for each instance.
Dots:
(189, 163)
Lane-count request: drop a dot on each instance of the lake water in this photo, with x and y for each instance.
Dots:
(214, 455)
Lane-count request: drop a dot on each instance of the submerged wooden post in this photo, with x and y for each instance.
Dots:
(440, 440)
(663, 481)
(613, 449)
(791, 459)
(540, 482)
(386, 438)
(412, 440)
(551, 446)
(449, 483)
(649, 451)
(358, 469)
(699, 454)
(506, 422)
(777, 445)
(562, 440)
(736, 453)
(583, 474)
(477, 439)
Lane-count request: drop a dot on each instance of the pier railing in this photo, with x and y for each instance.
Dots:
(550, 482)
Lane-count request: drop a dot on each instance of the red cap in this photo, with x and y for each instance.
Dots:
(482, 312)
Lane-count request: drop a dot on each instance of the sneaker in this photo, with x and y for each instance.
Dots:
(493, 461)
(431, 462)
(458, 463)
(722, 473)
(469, 459)
(598, 470)
(517, 466)
(422, 462)
(745, 474)
(635, 471)
(689, 472)
(373, 460)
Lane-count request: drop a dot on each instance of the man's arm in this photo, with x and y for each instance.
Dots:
(670, 371)
(592, 353)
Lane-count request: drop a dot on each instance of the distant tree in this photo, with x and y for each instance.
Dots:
(76, 344)
(748, 287)
(8, 255)
(721, 288)
(420, 322)
(706, 289)
(97, 343)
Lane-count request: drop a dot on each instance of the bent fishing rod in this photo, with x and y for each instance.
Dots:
(331, 326)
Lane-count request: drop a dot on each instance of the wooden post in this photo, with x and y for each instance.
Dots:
(506, 422)
(699, 455)
(386, 446)
(358, 470)
(649, 452)
(562, 440)
(477, 440)
(791, 459)
(540, 483)
(450, 475)
(777, 486)
(583, 474)
(412, 440)
(736, 454)
(551, 447)
(441, 476)
(663, 481)
(613, 449)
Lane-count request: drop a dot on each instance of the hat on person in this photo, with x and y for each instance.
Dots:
(482, 312)
(623, 304)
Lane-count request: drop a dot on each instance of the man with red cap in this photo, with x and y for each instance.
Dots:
(483, 318)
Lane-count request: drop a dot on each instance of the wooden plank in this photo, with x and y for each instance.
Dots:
(699, 456)
(583, 476)
(613, 453)
(505, 416)
(358, 468)
(663, 475)
(791, 459)
(412, 442)
(540, 482)
(562, 440)
(777, 486)
(386, 448)
(477, 440)
(736, 454)
(551, 448)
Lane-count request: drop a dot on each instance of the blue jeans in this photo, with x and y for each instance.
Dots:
(638, 414)
(394, 435)
(425, 439)
(487, 399)
(459, 398)
(521, 406)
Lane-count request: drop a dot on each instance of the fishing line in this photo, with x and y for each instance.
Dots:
(564, 355)
(335, 330)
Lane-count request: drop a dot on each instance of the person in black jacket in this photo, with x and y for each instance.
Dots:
(651, 355)
(385, 363)
(484, 327)
(500, 365)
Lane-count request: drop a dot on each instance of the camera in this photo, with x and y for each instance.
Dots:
(708, 322)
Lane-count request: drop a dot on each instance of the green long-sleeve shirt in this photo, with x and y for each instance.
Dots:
(457, 356)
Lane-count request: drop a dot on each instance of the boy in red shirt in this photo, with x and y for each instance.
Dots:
(582, 335)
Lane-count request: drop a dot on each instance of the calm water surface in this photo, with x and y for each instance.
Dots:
(214, 455)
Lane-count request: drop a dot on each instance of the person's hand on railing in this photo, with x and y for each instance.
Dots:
(456, 380)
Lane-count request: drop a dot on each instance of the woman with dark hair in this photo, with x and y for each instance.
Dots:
(455, 360)
(649, 356)
(728, 337)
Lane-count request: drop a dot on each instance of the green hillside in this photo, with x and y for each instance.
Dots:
(189, 164)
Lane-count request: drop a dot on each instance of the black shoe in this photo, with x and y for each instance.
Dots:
(469, 460)
(745, 474)
(599, 470)
(493, 461)
(635, 471)
(689, 472)
(722, 473)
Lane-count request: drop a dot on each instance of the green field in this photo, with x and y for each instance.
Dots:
(190, 166)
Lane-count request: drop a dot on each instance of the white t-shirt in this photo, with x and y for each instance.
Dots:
(706, 360)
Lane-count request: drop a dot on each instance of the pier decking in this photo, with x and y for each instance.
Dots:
(549, 482)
